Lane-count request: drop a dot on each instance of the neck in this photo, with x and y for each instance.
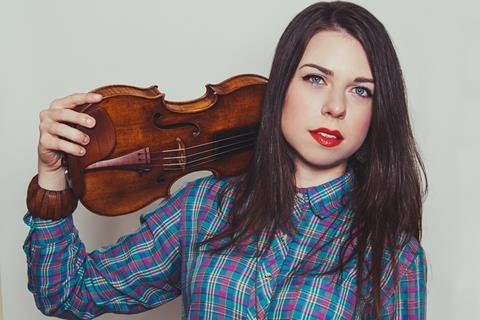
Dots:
(308, 175)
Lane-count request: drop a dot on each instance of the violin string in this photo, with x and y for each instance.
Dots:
(167, 166)
(207, 143)
(187, 163)
(193, 163)
(204, 151)
(190, 166)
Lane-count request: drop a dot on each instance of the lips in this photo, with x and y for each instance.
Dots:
(327, 137)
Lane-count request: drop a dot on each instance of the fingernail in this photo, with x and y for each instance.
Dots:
(85, 139)
(98, 96)
(90, 122)
(82, 151)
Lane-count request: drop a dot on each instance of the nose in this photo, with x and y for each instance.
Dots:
(335, 106)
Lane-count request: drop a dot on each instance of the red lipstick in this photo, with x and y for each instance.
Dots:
(326, 137)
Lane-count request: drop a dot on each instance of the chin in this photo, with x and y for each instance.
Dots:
(322, 162)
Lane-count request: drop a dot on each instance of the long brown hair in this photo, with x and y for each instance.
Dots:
(389, 176)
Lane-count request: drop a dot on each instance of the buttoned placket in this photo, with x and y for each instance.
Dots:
(264, 278)
(303, 202)
(267, 276)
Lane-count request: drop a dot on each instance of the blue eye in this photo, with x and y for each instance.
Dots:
(363, 92)
(313, 79)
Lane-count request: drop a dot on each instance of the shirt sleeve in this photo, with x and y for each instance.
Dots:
(139, 272)
(409, 298)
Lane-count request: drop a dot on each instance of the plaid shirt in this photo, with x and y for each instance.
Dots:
(158, 262)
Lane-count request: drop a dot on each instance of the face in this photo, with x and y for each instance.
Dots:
(328, 106)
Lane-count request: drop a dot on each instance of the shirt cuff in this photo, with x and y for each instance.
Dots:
(42, 230)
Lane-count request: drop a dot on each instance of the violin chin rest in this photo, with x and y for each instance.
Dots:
(102, 142)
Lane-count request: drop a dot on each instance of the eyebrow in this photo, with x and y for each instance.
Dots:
(330, 72)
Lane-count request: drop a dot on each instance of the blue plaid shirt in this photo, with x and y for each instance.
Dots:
(158, 262)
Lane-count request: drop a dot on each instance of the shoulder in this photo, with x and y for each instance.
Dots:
(205, 190)
(410, 250)
(205, 195)
(208, 184)
(405, 294)
(410, 262)
(205, 207)
(413, 262)
(189, 201)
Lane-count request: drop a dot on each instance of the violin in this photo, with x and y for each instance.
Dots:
(141, 143)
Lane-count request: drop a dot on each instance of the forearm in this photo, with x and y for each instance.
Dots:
(138, 272)
(56, 268)
(51, 180)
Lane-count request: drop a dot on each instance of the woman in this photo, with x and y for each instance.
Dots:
(325, 223)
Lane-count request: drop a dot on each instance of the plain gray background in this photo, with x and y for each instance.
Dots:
(53, 48)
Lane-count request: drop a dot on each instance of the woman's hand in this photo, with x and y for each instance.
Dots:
(56, 136)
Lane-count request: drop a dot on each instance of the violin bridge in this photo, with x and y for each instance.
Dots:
(182, 155)
(136, 160)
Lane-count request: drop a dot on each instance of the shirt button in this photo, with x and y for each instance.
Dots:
(267, 275)
(284, 236)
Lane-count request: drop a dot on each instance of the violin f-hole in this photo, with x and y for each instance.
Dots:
(158, 117)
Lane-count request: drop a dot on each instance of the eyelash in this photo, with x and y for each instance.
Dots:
(310, 77)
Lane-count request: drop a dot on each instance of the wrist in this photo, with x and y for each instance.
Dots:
(49, 204)
(52, 179)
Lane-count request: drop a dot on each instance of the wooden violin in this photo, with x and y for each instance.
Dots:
(141, 143)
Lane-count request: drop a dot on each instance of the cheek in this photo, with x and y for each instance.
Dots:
(286, 121)
(362, 124)
(288, 114)
(295, 108)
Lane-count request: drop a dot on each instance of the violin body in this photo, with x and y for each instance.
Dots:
(141, 143)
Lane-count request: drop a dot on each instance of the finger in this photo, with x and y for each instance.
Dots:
(71, 116)
(54, 143)
(75, 100)
(67, 132)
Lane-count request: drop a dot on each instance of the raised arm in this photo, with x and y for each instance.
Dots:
(139, 272)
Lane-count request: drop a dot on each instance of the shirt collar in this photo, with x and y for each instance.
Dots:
(325, 199)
